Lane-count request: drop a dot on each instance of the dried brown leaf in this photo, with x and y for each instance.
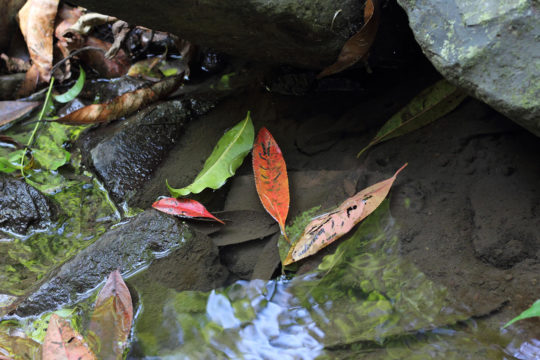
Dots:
(12, 110)
(357, 47)
(122, 105)
(62, 342)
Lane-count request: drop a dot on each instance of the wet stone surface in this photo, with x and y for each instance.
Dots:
(178, 257)
(22, 208)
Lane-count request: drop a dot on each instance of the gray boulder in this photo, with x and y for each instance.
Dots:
(305, 33)
(191, 260)
(22, 207)
(489, 48)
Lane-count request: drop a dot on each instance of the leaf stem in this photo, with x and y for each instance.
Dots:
(41, 114)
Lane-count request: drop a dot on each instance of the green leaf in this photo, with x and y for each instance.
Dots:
(533, 311)
(226, 157)
(74, 91)
(49, 152)
(428, 106)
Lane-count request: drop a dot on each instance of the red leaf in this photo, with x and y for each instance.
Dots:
(271, 177)
(111, 320)
(62, 342)
(325, 229)
(357, 47)
(183, 207)
(122, 105)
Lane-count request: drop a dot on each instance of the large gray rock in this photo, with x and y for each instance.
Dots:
(306, 33)
(489, 48)
(22, 207)
(191, 261)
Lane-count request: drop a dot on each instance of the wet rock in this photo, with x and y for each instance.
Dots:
(22, 208)
(125, 154)
(307, 33)
(485, 47)
(178, 256)
(506, 229)
(241, 259)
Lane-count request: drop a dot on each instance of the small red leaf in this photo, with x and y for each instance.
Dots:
(271, 178)
(183, 207)
(111, 320)
(62, 342)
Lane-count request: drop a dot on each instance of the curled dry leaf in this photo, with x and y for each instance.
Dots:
(357, 47)
(187, 208)
(325, 229)
(111, 320)
(62, 342)
(122, 105)
(36, 20)
(271, 178)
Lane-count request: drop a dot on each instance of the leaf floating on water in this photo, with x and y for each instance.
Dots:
(325, 229)
(271, 178)
(62, 342)
(13, 110)
(226, 157)
(111, 320)
(357, 47)
(187, 208)
(428, 106)
(122, 105)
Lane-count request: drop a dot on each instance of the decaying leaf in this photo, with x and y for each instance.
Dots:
(97, 60)
(17, 345)
(226, 157)
(62, 342)
(357, 47)
(12, 110)
(36, 20)
(271, 178)
(122, 105)
(428, 106)
(111, 320)
(326, 228)
(187, 208)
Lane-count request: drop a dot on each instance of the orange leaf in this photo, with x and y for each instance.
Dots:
(36, 20)
(122, 105)
(357, 47)
(111, 320)
(325, 229)
(271, 177)
(62, 342)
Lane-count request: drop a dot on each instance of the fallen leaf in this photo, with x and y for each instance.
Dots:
(13, 110)
(62, 342)
(36, 20)
(326, 228)
(533, 311)
(16, 346)
(357, 47)
(96, 59)
(271, 178)
(187, 208)
(122, 105)
(111, 320)
(74, 91)
(428, 106)
(226, 157)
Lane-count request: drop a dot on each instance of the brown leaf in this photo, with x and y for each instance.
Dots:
(111, 320)
(109, 68)
(12, 110)
(357, 47)
(36, 20)
(62, 342)
(122, 105)
(325, 229)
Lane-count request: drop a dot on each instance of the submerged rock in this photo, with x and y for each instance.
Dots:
(151, 237)
(22, 207)
(488, 48)
(304, 33)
